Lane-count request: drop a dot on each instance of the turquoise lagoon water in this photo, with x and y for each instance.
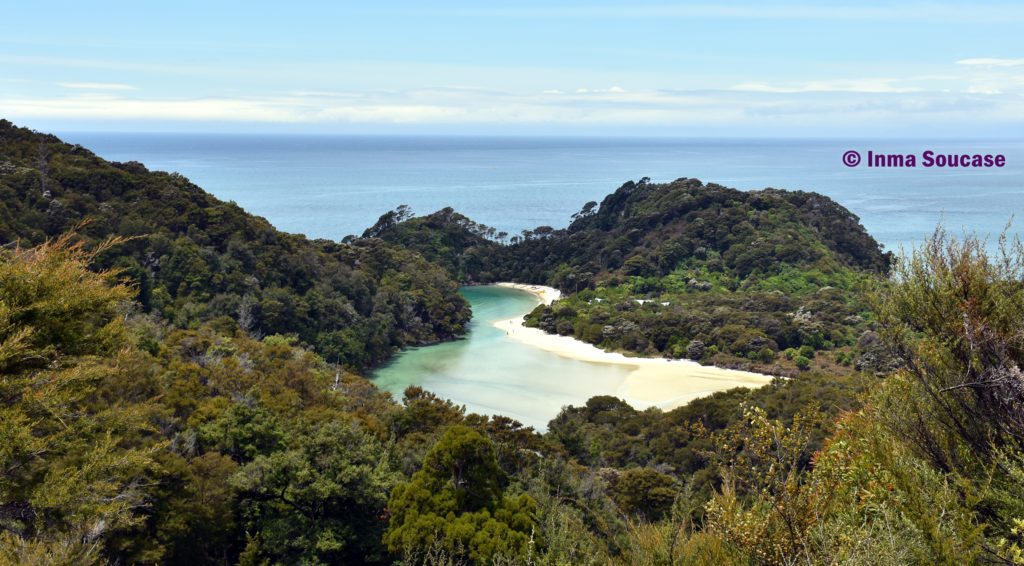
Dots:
(331, 186)
(490, 373)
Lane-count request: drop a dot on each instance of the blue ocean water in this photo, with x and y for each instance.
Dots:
(332, 186)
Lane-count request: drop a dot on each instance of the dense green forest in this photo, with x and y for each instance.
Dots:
(768, 280)
(195, 258)
(188, 430)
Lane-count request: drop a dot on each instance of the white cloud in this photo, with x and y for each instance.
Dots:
(392, 113)
(991, 62)
(611, 90)
(97, 86)
(117, 108)
(982, 90)
(751, 105)
(875, 86)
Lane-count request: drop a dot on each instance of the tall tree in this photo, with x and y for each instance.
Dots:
(456, 503)
(67, 474)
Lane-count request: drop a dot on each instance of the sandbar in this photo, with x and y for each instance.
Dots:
(656, 382)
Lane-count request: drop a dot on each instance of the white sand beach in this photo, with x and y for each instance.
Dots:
(547, 295)
(654, 381)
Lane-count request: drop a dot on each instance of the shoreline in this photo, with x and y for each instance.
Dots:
(654, 382)
(547, 295)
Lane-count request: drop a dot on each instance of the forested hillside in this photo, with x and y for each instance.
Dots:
(128, 441)
(194, 258)
(186, 432)
(769, 280)
(466, 249)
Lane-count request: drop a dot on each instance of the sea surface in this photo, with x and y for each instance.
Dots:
(332, 186)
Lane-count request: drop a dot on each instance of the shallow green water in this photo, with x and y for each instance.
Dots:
(490, 373)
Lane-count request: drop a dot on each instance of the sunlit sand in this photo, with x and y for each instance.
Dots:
(653, 381)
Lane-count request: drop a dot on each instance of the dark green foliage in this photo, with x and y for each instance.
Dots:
(929, 470)
(658, 227)
(322, 498)
(645, 492)
(242, 432)
(128, 438)
(660, 266)
(445, 237)
(263, 452)
(464, 462)
(456, 503)
(195, 510)
(68, 463)
(271, 452)
(608, 433)
(194, 258)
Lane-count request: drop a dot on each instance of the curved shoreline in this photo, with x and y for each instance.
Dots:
(653, 382)
(547, 295)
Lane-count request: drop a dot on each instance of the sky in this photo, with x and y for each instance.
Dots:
(757, 69)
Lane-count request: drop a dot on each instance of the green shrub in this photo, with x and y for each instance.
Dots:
(802, 362)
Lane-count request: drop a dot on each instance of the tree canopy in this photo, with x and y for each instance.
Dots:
(194, 258)
(194, 435)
